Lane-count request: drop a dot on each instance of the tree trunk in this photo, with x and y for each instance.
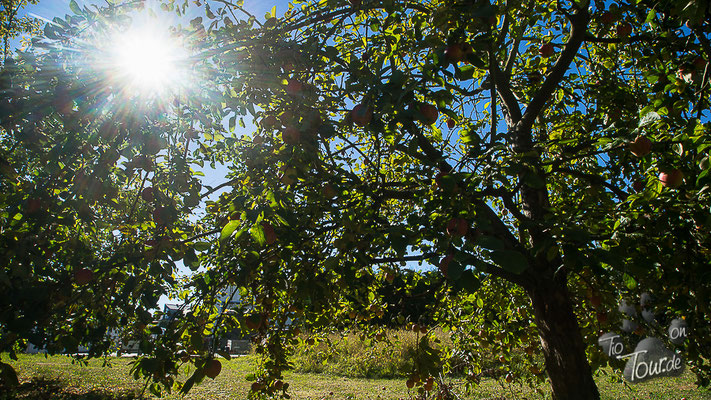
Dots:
(563, 347)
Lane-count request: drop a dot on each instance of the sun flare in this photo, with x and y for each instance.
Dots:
(148, 61)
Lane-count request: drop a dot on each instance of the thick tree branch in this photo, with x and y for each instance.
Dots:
(579, 22)
(500, 227)
(499, 272)
(503, 88)
(218, 187)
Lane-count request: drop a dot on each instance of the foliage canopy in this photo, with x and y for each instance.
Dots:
(549, 158)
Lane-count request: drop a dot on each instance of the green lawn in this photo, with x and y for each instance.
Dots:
(57, 378)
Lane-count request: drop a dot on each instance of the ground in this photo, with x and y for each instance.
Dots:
(57, 378)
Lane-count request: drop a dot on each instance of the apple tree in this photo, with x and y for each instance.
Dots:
(546, 157)
(556, 150)
(96, 187)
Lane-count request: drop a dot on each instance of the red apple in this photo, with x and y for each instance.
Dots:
(457, 227)
(160, 215)
(291, 135)
(444, 264)
(607, 18)
(429, 383)
(454, 53)
(288, 176)
(362, 114)
(33, 205)
(672, 178)
(286, 117)
(83, 276)
(269, 234)
(686, 73)
(601, 317)
(269, 122)
(546, 50)
(147, 194)
(509, 378)
(213, 368)
(596, 300)
(624, 29)
(699, 63)
(294, 87)
(641, 146)
(428, 113)
(329, 191)
(638, 186)
(451, 123)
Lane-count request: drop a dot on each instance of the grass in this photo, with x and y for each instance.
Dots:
(57, 378)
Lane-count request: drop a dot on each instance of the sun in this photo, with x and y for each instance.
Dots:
(147, 60)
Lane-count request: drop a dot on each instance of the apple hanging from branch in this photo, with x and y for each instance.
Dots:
(546, 50)
(213, 368)
(457, 227)
(672, 178)
(362, 114)
(83, 276)
(641, 146)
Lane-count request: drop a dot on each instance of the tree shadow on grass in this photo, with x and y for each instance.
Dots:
(54, 389)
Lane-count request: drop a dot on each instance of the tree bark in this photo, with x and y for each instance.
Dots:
(563, 348)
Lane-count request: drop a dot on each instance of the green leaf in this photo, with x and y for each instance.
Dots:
(191, 260)
(75, 7)
(455, 270)
(629, 281)
(465, 73)
(511, 261)
(202, 246)
(224, 354)
(648, 118)
(258, 234)
(468, 281)
(489, 242)
(228, 229)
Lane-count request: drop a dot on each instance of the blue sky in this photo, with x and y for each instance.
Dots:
(52, 8)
